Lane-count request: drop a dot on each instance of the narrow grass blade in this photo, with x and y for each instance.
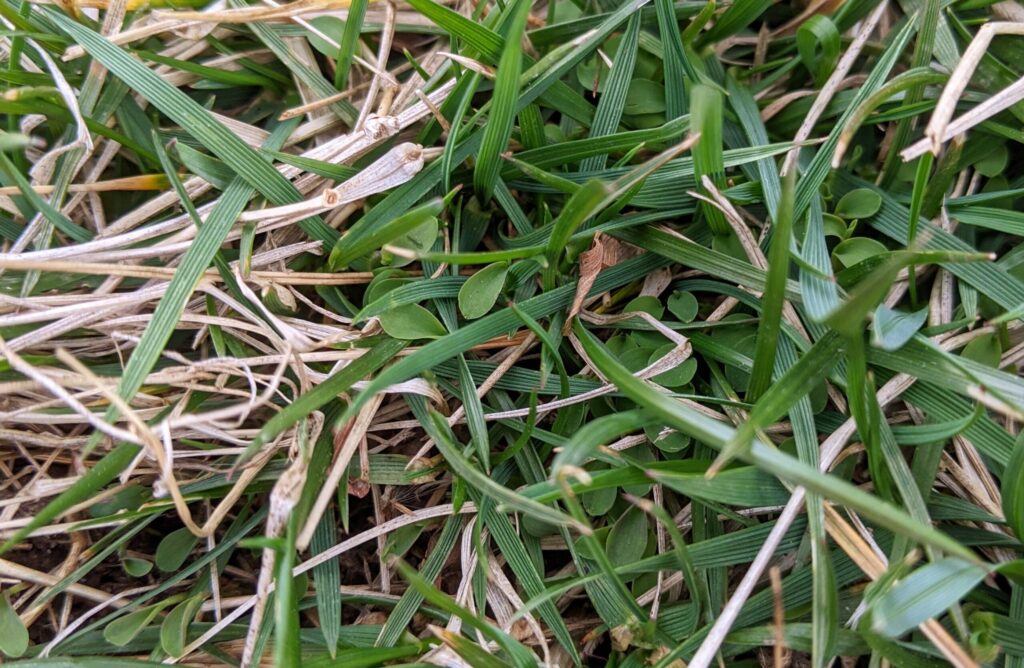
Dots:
(503, 106)
(774, 295)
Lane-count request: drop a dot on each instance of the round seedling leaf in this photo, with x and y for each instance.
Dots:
(326, 35)
(890, 329)
(644, 97)
(411, 322)
(129, 498)
(135, 567)
(565, 10)
(174, 629)
(644, 121)
(647, 304)
(418, 240)
(857, 249)
(859, 203)
(123, 630)
(619, 344)
(480, 291)
(13, 634)
(677, 376)
(643, 455)
(648, 66)
(672, 442)
(985, 349)
(835, 226)
(628, 538)
(599, 502)
(636, 359)
(582, 545)
(537, 528)
(650, 340)
(384, 282)
(994, 162)
(730, 245)
(592, 74)
(683, 305)
(174, 549)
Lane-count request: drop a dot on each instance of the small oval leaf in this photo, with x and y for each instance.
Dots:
(859, 203)
(891, 329)
(598, 502)
(123, 630)
(13, 634)
(411, 322)
(683, 305)
(583, 546)
(647, 304)
(677, 376)
(670, 442)
(639, 456)
(857, 249)
(136, 567)
(834, 226)
(628, 538)
(129, 498)
(644, 97)
(480, 291)
(384, 282)
(420, 239)
(326, 28)
(985, 349)
(174, 549)
(174, 629)
(994, 162)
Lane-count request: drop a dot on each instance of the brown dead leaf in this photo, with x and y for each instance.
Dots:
(656, 282)
(591, 263)
(358, 488)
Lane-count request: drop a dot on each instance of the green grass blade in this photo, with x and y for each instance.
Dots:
(349, 43)
(674, 58)
(609, 108)
(327, 578)
(774, 296)
(706, 112)
(503, 106)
